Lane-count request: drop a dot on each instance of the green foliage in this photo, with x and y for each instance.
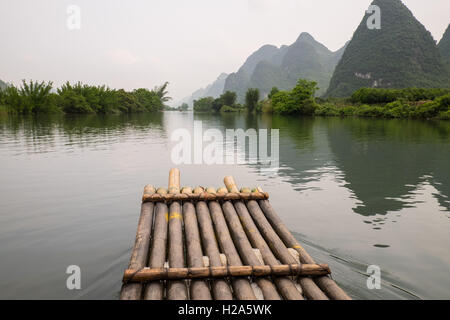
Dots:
(251, 99)
(378, 95)
(265, 106)
(162, 93)
(326, 109)
(204, 104)
(34, 97)
(300, 100)
(444, 115)
(273, 92)
(128, 102)
(209, 104)
(31, 97)
(436, 109)
(228, 98)
(149, 100)
(228, 109)
(71, 102)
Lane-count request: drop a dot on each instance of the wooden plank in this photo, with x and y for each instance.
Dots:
(150, 274)
(205, 196)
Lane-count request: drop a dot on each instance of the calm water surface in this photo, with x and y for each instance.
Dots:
(356, 192)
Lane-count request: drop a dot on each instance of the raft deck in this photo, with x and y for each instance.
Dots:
(219, 244)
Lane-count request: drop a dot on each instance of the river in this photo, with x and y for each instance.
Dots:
(355, 192)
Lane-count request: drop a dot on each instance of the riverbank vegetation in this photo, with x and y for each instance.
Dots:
(417, 103)
(414, 103)
(34, 97)
(225, 103)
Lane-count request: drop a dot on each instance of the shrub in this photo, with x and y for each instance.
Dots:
(204, 104)
(397, 109)
(299, 100)
(228, 109)
(326, 109)
(444, 115)
(369, 111)
(381, 96)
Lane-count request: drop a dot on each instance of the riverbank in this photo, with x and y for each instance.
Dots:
(408, 103)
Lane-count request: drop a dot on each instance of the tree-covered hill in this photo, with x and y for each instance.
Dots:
(444, 47)
(401, 54)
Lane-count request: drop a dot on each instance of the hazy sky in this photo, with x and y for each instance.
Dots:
(143, 43)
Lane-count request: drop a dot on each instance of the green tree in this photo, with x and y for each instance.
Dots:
(162, 93)
(251, 99)
(299, 100)
(204, 104)
(229, 98)
(150, 100)
(35, 96)
(273, 92)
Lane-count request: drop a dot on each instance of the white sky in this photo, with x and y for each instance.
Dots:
(142, 43)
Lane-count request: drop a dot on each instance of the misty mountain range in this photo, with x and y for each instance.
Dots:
(400, 54)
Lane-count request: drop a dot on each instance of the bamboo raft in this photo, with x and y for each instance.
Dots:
(219, 244)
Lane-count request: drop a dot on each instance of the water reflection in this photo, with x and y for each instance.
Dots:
(382, 162)
(47, 133)
(386, 161)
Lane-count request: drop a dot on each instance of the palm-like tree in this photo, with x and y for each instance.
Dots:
(162, 93)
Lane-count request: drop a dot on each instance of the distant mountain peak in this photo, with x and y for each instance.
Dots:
(305, 36)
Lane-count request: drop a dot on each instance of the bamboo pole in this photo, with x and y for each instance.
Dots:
(231, 184)
(221, 290)
(285, 286)
(155, 290)
(199, 290)
(311, 290)
(139, 254)
(246, 251)
(151, 274)
(176, 290)
(205, 196)
(331, 289)
(174, 181)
